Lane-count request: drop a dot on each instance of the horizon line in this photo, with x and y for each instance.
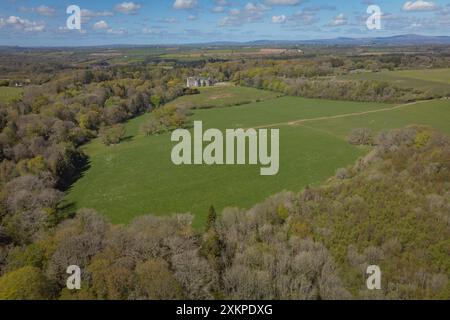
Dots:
(219, 42)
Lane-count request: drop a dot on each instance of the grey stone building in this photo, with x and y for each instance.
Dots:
(195, 82)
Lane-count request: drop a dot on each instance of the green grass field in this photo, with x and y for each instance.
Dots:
(433, 80)
(137, 177)
(431, 113)
(225, 96)
(8, 93)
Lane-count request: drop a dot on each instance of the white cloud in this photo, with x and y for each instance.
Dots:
(306, 17)
(100, 25)
(279, 19)
(118, 32)
(184, 4)
(148, 31)
(40, 10)
(218, 9)
(22, 24)
(169, 20)
(252, 12)
(339, 20)
(283, 2)
(419, 5)
(153, 31)
(45, 11)
(87, 14)
(220, 6)
(128, 8)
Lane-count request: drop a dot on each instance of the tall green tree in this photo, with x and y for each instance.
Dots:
(27, 283)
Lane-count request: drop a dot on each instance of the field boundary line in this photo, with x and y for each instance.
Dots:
(339, 116)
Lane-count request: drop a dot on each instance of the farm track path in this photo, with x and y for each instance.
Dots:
(339, 116)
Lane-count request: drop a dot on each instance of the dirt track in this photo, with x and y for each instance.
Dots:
(355, 114)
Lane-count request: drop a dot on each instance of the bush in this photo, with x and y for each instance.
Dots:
(113, 135)
(361, 136)
(152, 127)
(342, 174)
(165, 119)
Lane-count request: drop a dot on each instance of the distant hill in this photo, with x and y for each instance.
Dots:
(399, 40)
(408, 39)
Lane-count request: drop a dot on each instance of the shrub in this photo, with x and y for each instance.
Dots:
(152, 127)
(165, 119)
(113, 135)
(342, 174)
(361, 136)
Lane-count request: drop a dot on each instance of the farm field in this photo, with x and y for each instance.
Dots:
(433, 80)
(137, 177)
(8, 93)
(186, 55)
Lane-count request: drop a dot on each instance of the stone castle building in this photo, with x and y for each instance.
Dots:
(195, 82)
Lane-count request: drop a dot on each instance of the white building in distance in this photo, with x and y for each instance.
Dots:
(195, 82)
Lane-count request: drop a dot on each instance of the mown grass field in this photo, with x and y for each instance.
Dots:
(9, 93)
(431, 113)
(137, 177)
(433, 80)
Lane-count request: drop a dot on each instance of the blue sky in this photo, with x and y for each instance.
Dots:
(43, 22)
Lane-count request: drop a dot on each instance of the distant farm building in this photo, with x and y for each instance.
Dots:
(195, 82)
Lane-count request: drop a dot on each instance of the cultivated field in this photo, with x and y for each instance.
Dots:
(137, 177)
(433, 80)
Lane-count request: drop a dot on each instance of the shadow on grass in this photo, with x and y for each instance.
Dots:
(80, 166)
(127, 139)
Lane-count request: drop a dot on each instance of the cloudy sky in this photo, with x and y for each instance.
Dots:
(43, 22)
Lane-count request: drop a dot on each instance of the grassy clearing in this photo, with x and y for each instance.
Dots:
(436, 75)
(8, 94)
(432, 113)
(433, 80)
(137, 177)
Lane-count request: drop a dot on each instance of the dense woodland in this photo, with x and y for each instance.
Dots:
(318, 77)
(392, 208)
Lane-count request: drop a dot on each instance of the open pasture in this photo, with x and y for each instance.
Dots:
(137, 176)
